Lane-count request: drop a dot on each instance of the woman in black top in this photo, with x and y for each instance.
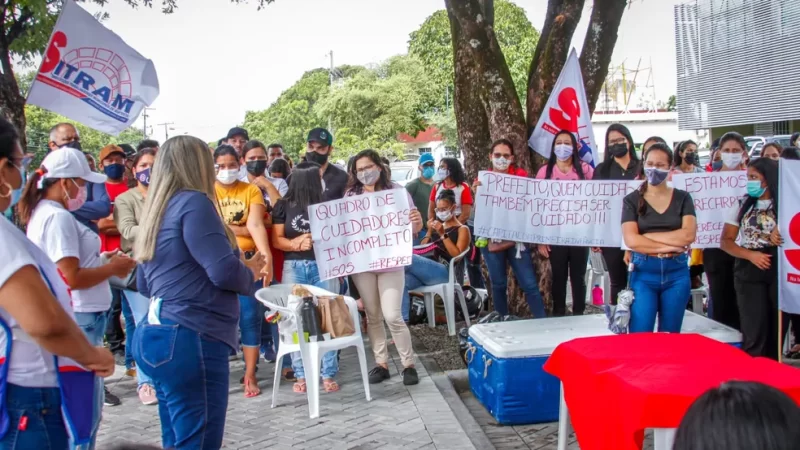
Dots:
(718, 264)
(451, 238)
(659, 224)
(292, 234)
(620, 163)
(755, 271)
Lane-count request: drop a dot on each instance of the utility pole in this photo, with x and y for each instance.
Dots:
(167, 128)
(145, 116)
(330, 121)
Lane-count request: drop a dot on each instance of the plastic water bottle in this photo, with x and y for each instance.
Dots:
(597, 295)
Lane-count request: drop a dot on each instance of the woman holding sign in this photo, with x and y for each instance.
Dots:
(566, 261)
(718, 264)
(658, 224)
(620, 163)
(755, 223)
(292, 235)
(382, 290)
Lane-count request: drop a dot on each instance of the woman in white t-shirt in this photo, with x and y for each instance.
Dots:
(52, 191)
(35, 324)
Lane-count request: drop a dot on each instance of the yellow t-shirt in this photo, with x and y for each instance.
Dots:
(235, 201)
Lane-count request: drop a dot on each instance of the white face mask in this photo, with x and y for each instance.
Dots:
(563, 152)
(444, 216)
(731, 160)
(227, 176)
(501, 163)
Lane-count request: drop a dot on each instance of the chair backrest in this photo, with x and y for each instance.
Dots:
(451, 270)
(597, 263)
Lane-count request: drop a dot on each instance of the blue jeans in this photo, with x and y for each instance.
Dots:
(130, 327)
(93, 325)
(251, 315)
(661, 287)
(138, 305)
(422, 272)
(307, 272)
(42, 408)
(190, 373)
(523, 269)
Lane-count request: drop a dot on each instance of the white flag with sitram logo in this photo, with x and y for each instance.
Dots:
(789, 226)
(89, 74)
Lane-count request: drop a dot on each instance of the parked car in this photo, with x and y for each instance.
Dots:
(404, 171)
(756, 143)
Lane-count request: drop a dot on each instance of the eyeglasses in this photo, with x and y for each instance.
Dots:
(502, 155)
(366, 168)
(428, 164)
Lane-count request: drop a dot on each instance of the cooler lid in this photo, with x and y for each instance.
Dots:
(539, 337)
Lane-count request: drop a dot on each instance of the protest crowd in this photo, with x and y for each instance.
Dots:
(177, 239)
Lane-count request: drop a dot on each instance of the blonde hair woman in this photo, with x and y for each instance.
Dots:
(191, 269)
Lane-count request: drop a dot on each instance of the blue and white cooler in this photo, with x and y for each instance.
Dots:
(505, 361)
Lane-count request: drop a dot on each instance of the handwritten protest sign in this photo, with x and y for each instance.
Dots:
(556, 212)
(714, 194)
(361, 233)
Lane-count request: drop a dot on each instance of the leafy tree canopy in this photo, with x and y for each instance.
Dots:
(433, 45)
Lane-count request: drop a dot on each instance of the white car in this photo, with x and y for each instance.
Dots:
(404, 171)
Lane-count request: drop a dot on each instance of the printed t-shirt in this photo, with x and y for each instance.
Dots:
(31, 365)
(60, 236)
(235, 201)
(108, 242)
(756, 225)
(295, 223)
(572, 175)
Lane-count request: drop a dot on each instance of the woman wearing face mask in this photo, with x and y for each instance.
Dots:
(717, 263)
(715, 162)
(52, 191)
(686, 159)
(127, 214)
(242, 207)
(382, 290)
(755, 223)
(37, 324)
(566, 261)
(451, 239)
(450, 175)
(620, 163)
(658, 224)
(293, 237)
(280, 168)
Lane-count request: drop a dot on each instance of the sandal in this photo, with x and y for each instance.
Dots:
(288, 375)
(300, 386)
(248, 393)
(330, 385)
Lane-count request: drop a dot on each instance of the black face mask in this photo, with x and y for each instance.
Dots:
(690, 158)
(618, 150)
(256, 168)
(317, 158)
(73, 144)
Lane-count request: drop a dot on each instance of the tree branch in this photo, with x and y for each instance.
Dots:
(598, 47)
(20, 26)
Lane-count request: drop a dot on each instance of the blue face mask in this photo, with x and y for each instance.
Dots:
(428, 172)
(114, 171)
(754, 189)
(17, 193)
(655, 176)
(716, 166)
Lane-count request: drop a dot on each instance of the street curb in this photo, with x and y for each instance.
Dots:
(444, 384)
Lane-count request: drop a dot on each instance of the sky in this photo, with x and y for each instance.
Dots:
(216, 60)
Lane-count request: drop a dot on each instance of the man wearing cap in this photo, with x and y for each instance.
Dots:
(112, 163)
(420, 189)
(98, 205)
(236, 138)
(318, 150)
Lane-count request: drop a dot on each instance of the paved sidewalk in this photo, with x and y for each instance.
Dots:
(398, 417)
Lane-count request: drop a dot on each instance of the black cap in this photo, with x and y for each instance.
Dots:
(238, 131)
(320, 135)
(130, 152)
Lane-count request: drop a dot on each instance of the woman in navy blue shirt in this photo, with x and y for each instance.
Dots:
(192, 271)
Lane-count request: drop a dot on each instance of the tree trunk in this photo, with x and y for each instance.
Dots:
(12, 103)
(598, 47)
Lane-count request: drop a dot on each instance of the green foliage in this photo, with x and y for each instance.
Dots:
(445, 122)
(368, 107)
(432, 43)
(672, 103)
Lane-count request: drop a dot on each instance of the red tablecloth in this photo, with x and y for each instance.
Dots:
(617, 386)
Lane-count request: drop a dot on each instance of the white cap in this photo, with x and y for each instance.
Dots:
(69, 163)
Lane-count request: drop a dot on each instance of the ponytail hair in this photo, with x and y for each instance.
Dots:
(657, 147)
(33, 193)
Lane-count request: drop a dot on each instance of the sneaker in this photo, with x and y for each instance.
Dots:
(378, 374)
(131, 372)
(147, 395)
(269, 354)
(111, 399)
(410, 376)
(119, 358)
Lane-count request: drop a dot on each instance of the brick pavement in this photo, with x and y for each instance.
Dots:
(398, 417)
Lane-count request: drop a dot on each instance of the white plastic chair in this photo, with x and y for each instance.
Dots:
(446, 290)
(276, 298)
(597, 270)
